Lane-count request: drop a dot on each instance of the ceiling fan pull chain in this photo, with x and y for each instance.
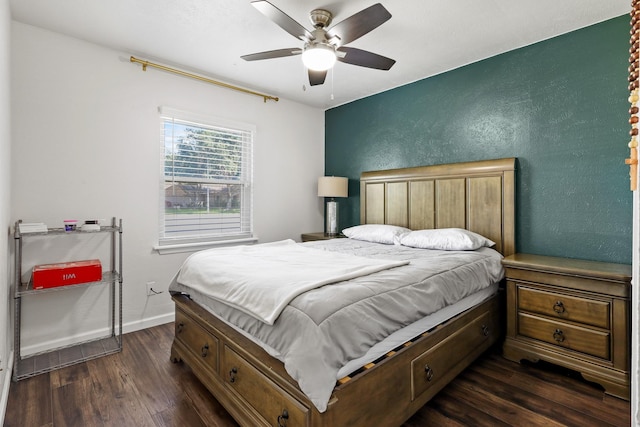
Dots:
(304, 78)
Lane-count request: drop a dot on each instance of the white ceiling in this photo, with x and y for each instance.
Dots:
(425, 37)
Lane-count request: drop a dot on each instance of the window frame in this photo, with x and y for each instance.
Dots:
(182, 243)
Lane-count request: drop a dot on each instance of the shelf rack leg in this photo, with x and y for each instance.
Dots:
(16, 298)
(120, 282)
(112, 266)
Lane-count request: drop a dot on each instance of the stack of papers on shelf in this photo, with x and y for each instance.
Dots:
(32, 227)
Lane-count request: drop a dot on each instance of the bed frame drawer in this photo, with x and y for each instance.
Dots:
(271, 403)
(562, 306)
(430, 368)
(197, 340)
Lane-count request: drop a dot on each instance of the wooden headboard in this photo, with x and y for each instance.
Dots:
(478, 196)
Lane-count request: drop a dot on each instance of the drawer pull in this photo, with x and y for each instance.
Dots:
(558, 335)
(282, 419)
(204, 350)
(558, 307)
(180, 327)
(485, 330)
(429, 372)
(232, 374)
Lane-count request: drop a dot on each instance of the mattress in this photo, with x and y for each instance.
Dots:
(322, 333)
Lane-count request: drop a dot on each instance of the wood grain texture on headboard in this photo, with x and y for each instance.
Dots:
(478, 196)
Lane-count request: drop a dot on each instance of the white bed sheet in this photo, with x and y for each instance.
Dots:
(411, 331)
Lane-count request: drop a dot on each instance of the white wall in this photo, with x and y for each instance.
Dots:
(86, 141)
(5, 187)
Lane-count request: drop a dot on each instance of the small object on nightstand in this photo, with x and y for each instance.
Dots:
(573, 313)
(308, 237)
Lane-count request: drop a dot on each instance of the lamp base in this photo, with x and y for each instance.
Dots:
(331, 218)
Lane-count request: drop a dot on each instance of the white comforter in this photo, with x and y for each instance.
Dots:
(320, 330)
(261, 280)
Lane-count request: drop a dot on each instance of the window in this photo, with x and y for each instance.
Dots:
(207, 179)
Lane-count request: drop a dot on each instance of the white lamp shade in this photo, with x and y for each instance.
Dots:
(333, 186)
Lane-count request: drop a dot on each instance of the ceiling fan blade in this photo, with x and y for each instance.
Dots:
(317, 77)
(358, 25)
(283, 20)
(269, 54)
(365, 58)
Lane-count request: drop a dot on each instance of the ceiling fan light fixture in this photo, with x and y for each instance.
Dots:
(319, 57)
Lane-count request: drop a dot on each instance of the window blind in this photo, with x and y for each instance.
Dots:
(207, 178)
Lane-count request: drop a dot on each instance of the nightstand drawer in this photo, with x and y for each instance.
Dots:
(584, 340)
(562, 306)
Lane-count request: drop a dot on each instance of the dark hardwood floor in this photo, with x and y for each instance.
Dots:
(141, 387)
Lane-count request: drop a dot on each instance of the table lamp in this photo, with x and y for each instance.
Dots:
(332, 187)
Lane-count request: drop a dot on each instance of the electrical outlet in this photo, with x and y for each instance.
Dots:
(151, 291)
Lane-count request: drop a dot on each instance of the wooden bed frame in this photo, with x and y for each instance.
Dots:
(255, 388)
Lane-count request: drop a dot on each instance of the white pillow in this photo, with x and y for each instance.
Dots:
(446, 239)
(376, 233)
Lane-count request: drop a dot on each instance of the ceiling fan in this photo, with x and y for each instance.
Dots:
(322, 46)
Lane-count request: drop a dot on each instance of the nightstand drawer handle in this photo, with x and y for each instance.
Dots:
(232, 374)
(204, 350)
(180, 327)
(558, 307)
(558, 335)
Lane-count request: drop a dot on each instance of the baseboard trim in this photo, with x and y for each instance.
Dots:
(149, 322)
(99, 333)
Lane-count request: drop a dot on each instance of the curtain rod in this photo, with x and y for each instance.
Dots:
(146, 64)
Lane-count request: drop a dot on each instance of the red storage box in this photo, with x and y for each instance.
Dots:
(66, 273)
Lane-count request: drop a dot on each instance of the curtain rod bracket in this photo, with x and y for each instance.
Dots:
(146, 64)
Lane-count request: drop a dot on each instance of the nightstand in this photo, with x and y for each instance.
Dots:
(308, 237)
(572, 313)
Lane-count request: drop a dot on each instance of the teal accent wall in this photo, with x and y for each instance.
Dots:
(560, 106)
